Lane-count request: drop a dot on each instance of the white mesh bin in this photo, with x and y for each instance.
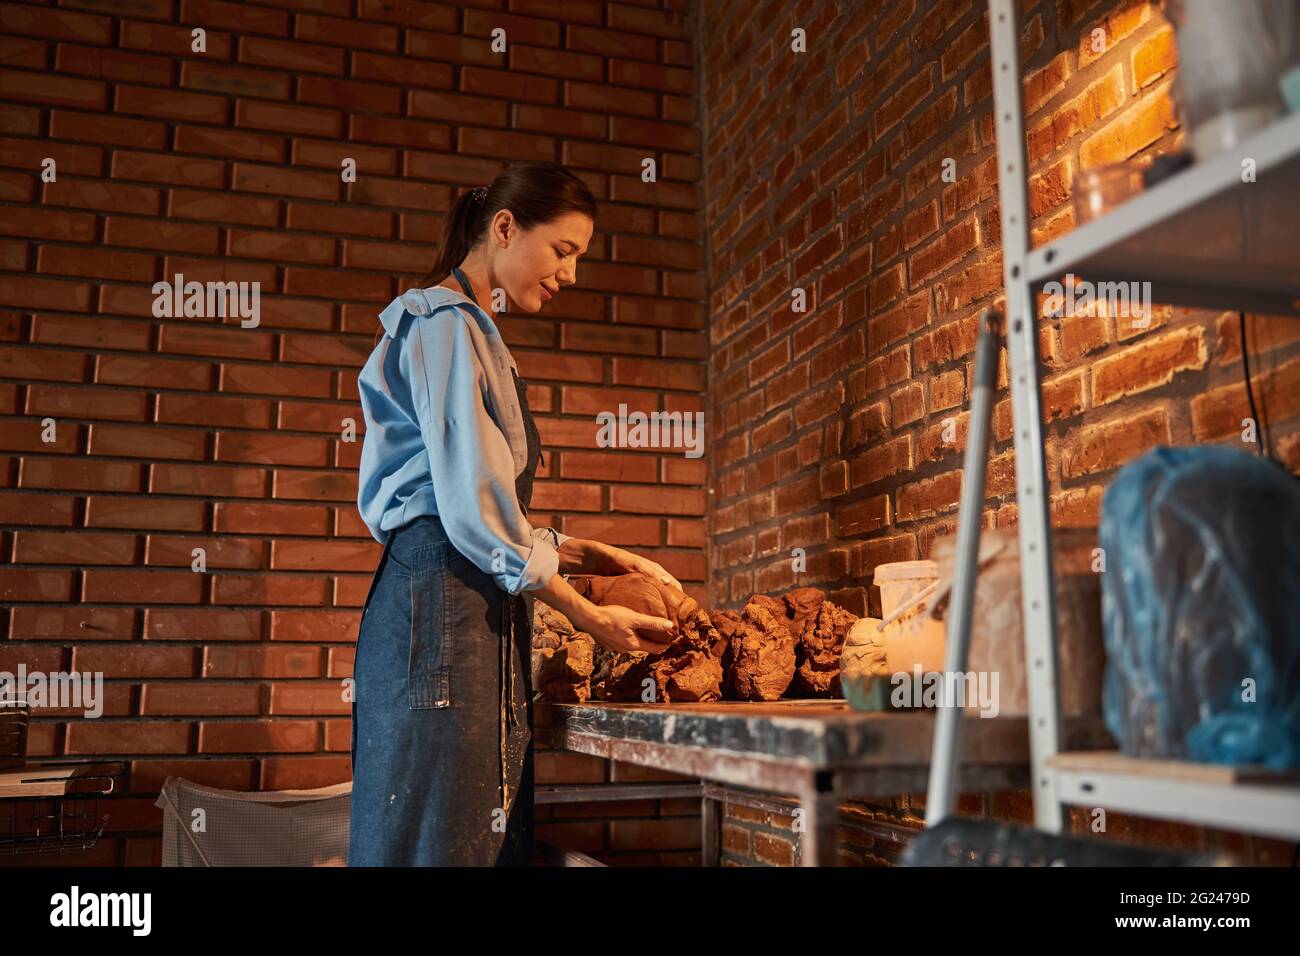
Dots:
(205, 826)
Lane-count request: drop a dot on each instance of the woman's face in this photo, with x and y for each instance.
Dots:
(532, 265)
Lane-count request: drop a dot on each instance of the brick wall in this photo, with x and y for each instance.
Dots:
(172, 434)
(644, 832)
(874, 835)
(823, 173)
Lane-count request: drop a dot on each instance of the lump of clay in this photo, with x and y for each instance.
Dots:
(689, 669)
(762, 651)
(801, 606)
(562, 658)
(621, 677)
(822, 640)
(681, 673)
(693, 676)
(640, 593)
(564, 674)
(773, 606)
(727, 623)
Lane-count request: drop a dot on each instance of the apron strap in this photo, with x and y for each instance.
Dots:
(509, 717)
(379, 569)
(464, 283)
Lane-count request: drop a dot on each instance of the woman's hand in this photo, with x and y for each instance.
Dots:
(622, 630)
(627, 562)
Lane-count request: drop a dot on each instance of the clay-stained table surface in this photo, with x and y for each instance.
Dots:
(821, 751)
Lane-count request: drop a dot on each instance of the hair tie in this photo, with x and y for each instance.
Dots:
(479, 193)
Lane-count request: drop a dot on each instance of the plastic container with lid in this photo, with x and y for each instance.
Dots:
(916, 638)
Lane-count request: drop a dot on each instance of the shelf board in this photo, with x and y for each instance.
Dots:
(1202, 237)
(1249, 799)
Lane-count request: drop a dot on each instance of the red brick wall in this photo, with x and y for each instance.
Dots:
(174, 434)
(875, 835)
(823, 173)
(645, 832)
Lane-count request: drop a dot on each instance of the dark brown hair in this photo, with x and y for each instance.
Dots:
(535, 192)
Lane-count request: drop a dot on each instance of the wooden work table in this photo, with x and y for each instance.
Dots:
(820, 751)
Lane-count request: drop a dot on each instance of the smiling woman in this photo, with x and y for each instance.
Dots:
(441, 723)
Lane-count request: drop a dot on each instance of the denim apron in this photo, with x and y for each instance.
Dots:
(442, 763)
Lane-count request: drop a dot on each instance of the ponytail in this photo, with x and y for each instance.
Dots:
(466, 224)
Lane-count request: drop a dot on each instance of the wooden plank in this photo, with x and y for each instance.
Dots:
(555, 856)
(589, 792)
(1111, 761)
(747, 770)
(36, 781)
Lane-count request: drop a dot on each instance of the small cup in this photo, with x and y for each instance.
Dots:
(1098, 191)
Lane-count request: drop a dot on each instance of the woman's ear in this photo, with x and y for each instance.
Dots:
(504, 226)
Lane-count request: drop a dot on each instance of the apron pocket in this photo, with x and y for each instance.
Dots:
(429, 666)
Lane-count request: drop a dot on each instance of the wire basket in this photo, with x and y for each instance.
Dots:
(56, 824)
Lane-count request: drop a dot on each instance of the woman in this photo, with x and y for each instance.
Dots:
(442, 716)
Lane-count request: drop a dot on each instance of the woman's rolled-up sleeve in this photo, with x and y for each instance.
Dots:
(469, 458)
(550, 534)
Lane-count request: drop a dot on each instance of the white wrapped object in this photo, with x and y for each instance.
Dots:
(1231, 56)
(254, 828)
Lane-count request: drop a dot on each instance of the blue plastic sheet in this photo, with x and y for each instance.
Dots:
(1201, 608)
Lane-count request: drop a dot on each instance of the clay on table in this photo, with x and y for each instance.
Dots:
(771, 648)
(822, 640)
(774, 606)
(562, 658)
(762, 655)
(801, 606)
(689, 669)
(798, 607)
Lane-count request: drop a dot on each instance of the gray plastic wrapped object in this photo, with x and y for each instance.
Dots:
(1201, 608)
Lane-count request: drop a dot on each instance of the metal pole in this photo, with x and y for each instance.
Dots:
(944, 758)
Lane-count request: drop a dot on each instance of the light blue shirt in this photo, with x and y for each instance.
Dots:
(445, 436)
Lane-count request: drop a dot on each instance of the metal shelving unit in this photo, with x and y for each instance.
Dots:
(1203, 237)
